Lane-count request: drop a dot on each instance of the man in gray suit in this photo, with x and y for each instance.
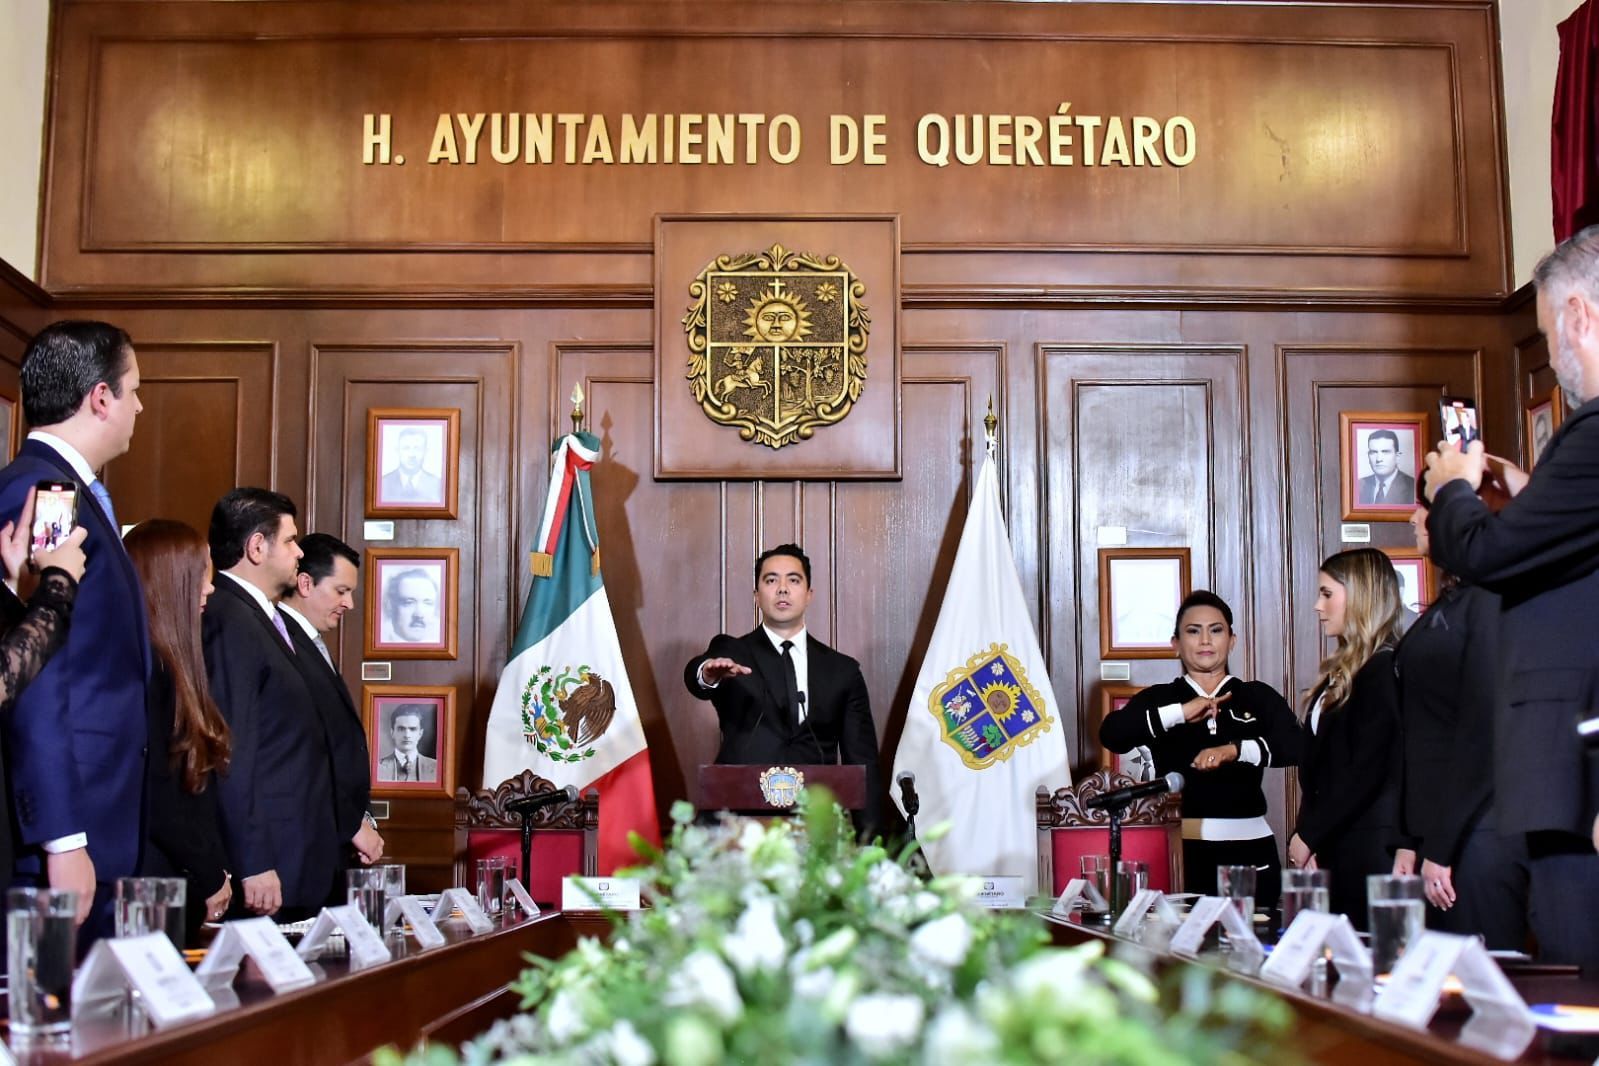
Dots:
(408, 481)
(406, 763)
(1387, 485)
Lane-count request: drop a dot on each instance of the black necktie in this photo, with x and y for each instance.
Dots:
(790, 683)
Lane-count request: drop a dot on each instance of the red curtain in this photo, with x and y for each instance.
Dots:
(1574, 161)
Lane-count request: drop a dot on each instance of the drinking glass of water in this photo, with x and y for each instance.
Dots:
(1237, 883)
(1305, 890)
(41, 929)
(1398, 912)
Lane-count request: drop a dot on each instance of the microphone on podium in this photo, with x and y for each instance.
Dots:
(1121, 797)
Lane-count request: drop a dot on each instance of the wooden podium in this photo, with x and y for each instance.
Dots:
(740, 789)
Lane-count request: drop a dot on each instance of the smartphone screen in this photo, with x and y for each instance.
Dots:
(1459, 420)
(55, 512)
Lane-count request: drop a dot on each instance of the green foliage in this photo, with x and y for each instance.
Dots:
(790, 943)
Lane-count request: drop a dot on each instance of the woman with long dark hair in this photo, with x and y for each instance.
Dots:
(1348, 777)
(1220, 732)
(188, 736)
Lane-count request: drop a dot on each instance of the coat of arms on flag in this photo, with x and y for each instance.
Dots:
(565, 711)
(988, 708)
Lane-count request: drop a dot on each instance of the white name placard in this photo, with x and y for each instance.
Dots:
(599, 893)
(149, 965)
(415, 915)
(1077, 888)
(459, 899)
(1001, 893)
(1311, 936)
(263, 943)
(1147, 900)
(366, 946)
(1417, 982)
(523, 899)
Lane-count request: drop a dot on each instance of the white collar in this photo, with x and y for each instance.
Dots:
(1208, 695)
(305, 623)
(255, 594)
(777, 639)
(74, 458)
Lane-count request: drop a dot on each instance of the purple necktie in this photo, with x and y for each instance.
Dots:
(283, 630)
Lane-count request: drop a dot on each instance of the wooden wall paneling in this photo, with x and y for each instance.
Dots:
(209, 424)
(1320, 381)
(894, 542)
(1149, 439)
(672, 573)
(1529, 359)
(1334, 140)
(479, 378)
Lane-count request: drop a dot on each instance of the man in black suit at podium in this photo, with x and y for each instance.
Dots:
(781, 695)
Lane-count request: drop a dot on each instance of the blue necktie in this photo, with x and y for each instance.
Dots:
(103, 498)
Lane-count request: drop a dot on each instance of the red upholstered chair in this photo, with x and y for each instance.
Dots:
(565, 835)
(1068, 830)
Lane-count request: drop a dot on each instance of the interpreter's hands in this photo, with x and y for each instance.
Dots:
(1211, 758)
(1299, 853)
(715, 671)
(1438, 884)
(368, 844)
(68, 555)
(1204, 706)
(263, 893)
(73, 871)
(1448, 464)
(216, 904)
(1404, 862)
(15, 539)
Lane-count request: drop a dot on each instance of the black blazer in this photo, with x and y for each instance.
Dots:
(758, 728)
(183, 834)
(1448, 668)
(277, 796)
(1347, 774)
(1541, 555)
(346, 739)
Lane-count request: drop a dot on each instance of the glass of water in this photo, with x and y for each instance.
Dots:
(1305, 890)
(1237, 883)
(1397, 911)
(1096, 871)
(41, 928)
(171, 896)
(491, 884)
(135, 906)
(364, 889)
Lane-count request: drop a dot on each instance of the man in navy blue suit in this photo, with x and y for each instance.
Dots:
(75, 739)
(1540, 553)
(278, 815)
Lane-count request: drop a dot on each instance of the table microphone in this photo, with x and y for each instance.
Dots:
(528, 804)
(1172, 782)
(907, 793)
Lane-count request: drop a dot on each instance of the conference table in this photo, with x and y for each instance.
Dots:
(1327, 1029)
(447, 993)
(453, 992)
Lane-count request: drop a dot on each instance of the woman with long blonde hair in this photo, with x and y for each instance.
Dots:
(1348, 779)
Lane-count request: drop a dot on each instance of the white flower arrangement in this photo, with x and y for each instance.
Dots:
(790, 943)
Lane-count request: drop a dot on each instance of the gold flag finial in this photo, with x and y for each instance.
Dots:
(990, 424)
(577, 407)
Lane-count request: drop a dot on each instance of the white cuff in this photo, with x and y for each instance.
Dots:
(1171, 716)
(62, 845)
(1249, 752)
(699, 677)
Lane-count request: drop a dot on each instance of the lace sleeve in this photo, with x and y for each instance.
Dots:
(28, 645)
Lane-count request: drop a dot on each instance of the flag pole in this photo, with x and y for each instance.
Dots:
(990, 425)
(577, 407)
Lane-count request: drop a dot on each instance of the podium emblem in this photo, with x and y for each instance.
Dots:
(565, 711)
(988, 708)
(777, 343)
(780, 785)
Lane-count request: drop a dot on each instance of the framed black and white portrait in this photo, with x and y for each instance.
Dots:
(409, 730)
(412, 457)
(410, 607)
(1380, 459)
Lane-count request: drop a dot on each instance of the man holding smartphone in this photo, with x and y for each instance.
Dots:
(75, 738)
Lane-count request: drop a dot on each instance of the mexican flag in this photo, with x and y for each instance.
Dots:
(564, 708)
